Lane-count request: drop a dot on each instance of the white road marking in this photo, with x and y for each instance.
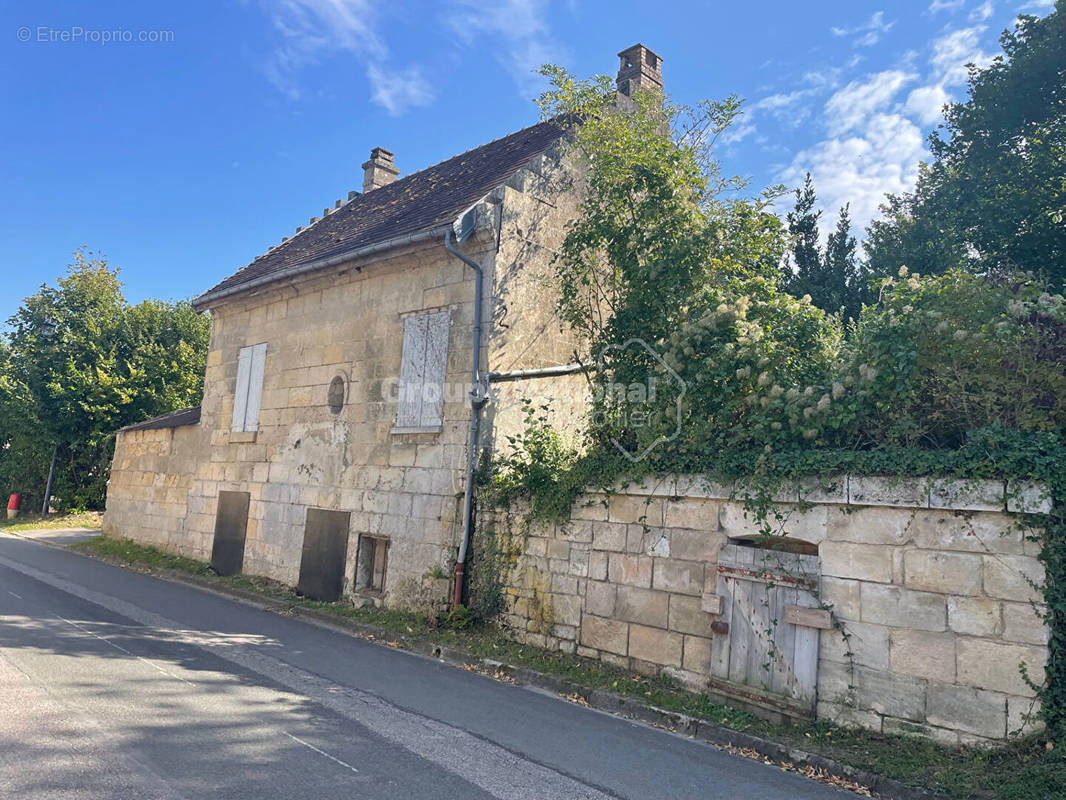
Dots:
(127, 652)
(14, 595)
(492, 768)
(320, 752)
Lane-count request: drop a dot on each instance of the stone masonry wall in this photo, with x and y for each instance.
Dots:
(931, 583)
(348, 321)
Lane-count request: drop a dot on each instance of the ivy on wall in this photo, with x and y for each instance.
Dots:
(954, 376)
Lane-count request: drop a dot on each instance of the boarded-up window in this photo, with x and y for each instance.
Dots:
(422, 370)
(231, 527)
(370, 564)
(249, 391)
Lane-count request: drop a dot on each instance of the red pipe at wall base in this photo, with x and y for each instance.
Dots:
(457, 598)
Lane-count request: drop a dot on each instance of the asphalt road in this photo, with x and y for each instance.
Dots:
(115, 684)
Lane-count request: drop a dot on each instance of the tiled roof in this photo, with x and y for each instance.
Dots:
(422, 201)
(175, 419)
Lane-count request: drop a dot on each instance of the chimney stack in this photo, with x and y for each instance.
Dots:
(379, 170)
(640, 69)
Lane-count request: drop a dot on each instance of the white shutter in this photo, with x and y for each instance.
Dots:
(255, 387)
(436, 365)
(240, 395)
(412, 366)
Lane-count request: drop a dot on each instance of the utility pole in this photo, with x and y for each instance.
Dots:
(48, 486)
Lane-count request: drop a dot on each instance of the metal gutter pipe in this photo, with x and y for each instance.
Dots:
(537, 372)
(478, 398)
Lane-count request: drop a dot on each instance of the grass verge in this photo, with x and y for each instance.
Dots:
(1026, 769)
(32, 522)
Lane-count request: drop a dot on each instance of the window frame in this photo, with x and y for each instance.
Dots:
(423, 362)
(248, 388)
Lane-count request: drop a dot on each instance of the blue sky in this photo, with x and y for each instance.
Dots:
(181, 160)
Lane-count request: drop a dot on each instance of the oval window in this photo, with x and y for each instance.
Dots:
(335, 396)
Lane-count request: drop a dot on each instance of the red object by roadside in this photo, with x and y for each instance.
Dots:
(13, 503)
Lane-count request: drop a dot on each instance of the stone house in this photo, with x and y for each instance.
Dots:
(347, 380)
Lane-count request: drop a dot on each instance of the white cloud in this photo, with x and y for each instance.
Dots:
(1038, 5)
(983, 11)
(849, 107)
(945, 5)
(311, 30)
(736, 133)
(518, 31)
(868, 33)
(926, 102)
(861, 169)
(953, 51)
(399, 90)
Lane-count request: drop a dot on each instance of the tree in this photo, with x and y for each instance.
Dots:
(78, 363)
(806, 252)
(994, 196)
(831, 279)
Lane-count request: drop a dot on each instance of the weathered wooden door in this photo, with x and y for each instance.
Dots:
(769, 602)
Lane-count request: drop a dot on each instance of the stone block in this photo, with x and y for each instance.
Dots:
(687, 615)
(656, 542)
(844, 596)
(600, 599)
(890, 526)
(889, 693)
(683, 577)
(649, 486)
(697, 655)
(695, 545)
(577, 530)
(635, 509)
(589, 507)
(657, 646)
(1023, 715)
(903, 608)
(700, 486)
(609, 536)
(1023, 622)
(938, 571)
(633, 570)
(966, 495)
(888, 491)
(579, 562)
(974, 616)
(868, 645)
(1027, 497)
(646, 606)
(848, 717)
(966, 709)
(566, 609)
(987, 532)
(597, 566)
(867, 562)
(997, 666)
(691, 514)
(1012, 578)
(923, 654)
(824, 489)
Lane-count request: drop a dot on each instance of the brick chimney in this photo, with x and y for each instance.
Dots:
(379, 170)
(640, 69)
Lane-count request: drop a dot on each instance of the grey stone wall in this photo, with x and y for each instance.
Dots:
(929, 587)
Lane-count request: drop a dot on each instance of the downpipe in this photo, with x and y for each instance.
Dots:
(478, 399)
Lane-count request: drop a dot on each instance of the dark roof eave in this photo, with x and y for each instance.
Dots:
(172, 419)
(207, 299)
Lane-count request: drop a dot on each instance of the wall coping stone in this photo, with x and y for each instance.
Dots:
(859, 490)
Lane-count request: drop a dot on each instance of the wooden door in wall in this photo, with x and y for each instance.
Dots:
(768, 648)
